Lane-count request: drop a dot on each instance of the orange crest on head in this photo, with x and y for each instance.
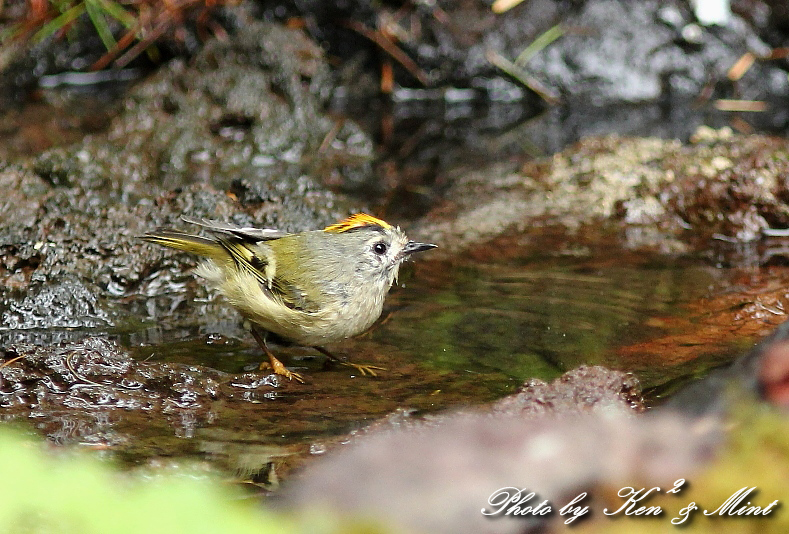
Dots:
(358, 220)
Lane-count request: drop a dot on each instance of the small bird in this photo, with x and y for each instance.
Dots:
(309, 288)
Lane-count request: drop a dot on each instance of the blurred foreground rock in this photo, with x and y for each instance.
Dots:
(435, 476)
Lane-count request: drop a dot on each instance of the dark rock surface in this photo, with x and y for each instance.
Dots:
(73, 391)
(237, 133)
(587, 389)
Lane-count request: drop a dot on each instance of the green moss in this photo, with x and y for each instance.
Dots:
(65, 491)
(71, 492)
(757, 454)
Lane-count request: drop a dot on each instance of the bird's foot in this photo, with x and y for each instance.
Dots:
(279, 368)
(363, 368)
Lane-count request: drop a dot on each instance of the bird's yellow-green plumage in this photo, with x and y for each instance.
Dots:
(311, 287)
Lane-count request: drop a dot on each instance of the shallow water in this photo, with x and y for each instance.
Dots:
(508, 322)
(452, 335)
(536, 321)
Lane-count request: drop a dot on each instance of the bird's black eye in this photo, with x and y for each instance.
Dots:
(380, 248)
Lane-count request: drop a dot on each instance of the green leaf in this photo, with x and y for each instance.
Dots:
(96, 14)
(59, 22)
(116, 11)
(539, 44)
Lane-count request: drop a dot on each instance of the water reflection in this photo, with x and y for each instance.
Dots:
(527, 322)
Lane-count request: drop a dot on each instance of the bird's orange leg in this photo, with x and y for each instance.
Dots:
(277, 366)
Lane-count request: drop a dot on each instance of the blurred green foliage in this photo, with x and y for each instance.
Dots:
(100, 12)
(756, 454)
(126, 29)
(63, 491)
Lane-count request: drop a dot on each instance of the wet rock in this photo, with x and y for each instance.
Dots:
(642, 52)
(651, 49)
(247, 107)
(584, 390)
(95, 373)
(587, 389)
(68, 303)
(582, 184)
(52, 232)
(83, 385)
(663, 194)
(600, 51)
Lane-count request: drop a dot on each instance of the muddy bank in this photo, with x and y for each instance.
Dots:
(236, 133)
(657, 194)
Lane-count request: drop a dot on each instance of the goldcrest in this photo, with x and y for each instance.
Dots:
(310, 288)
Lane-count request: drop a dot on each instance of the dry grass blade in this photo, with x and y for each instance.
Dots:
(123, 43)
(390, 48)
(12, 360)
(516, 72)
(501, 6)
(741, 66)
(741, 105)
(145, 21)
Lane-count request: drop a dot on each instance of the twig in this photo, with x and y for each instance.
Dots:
(500, 6)
(142, 44)
(123, 43)
(331, 136)
(77, 375)
(499, 61)
(724, 104)
(741, 66)
(539, 44)
(12, 360)
(390, 48)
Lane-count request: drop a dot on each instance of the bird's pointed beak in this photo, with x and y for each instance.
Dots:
(413, 246)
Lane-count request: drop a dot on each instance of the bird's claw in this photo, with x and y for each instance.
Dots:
(365, 369)
(279, 368)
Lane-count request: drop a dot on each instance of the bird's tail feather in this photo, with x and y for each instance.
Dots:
(201, 246)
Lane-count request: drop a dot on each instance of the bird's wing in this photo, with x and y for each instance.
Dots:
(256, 260)
(293, 296)
(244, 232)
(250, 258)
